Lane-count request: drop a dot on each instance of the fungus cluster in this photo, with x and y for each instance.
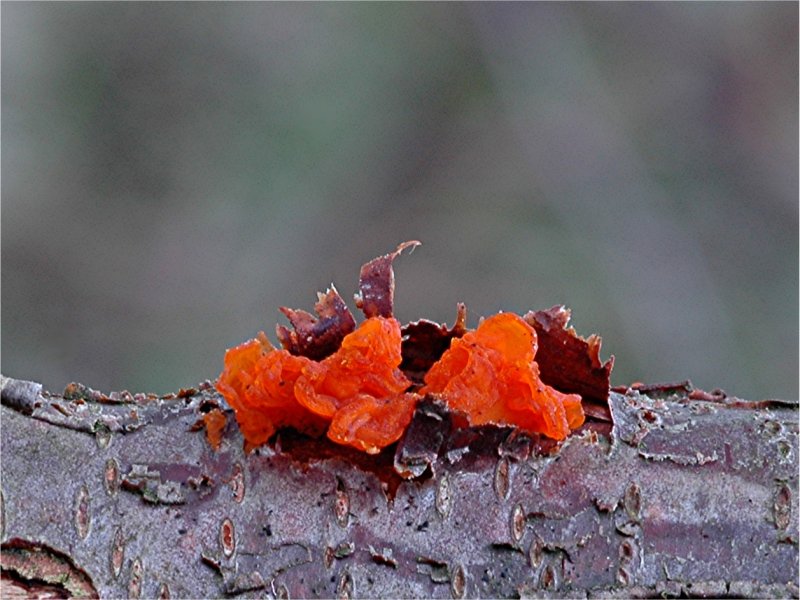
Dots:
(361, 384)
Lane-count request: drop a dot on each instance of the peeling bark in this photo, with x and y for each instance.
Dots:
(122, 495)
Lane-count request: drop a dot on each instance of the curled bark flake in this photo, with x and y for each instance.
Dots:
(314, 337)
(424, 342)
(376, 284)
(420, 445)
(437, 570)
(683, 388)
(22, 396)
(382, 557)
(568, 362)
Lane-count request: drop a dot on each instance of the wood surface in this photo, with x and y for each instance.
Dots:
(684, 494)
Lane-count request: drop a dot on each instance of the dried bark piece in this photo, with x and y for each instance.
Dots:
(424, 342)
(313, 337)
(376, 284)
(423, 439)
(567, 361)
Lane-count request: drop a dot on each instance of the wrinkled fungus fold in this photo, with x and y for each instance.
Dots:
(491, 376)
(356, 394)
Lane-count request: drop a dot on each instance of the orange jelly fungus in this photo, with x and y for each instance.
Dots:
(214, 422)
(360, 387)
(490, 375)
(360, 396)
(357, 391)
(258, 382)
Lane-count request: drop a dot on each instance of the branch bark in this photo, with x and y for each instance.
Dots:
(122, 495)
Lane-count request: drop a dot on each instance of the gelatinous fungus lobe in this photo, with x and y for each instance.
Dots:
(258, 382)
(357, 393)
(371, 424)
(214, 422)
(361, 388)
(490, 375)
(237, 385)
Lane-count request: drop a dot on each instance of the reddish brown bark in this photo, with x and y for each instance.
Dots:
(685, 494)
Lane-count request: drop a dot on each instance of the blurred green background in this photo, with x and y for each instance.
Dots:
(175, 172)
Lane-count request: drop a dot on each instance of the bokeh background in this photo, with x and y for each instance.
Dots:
(174, 172)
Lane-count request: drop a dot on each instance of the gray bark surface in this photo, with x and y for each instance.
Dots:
(122, 496)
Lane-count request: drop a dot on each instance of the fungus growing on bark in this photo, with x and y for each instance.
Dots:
(491, 375)
(214, 422)
(258, 382)
(361, 384)
(360, 387)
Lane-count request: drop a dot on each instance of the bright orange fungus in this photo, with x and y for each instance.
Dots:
(490, 375)
(214, 422)
(360, 396)
(357, 392)
(258, 382)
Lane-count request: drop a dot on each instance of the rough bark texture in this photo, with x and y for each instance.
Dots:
(685, 494)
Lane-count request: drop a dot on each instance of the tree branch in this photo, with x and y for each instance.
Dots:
(122, 495)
